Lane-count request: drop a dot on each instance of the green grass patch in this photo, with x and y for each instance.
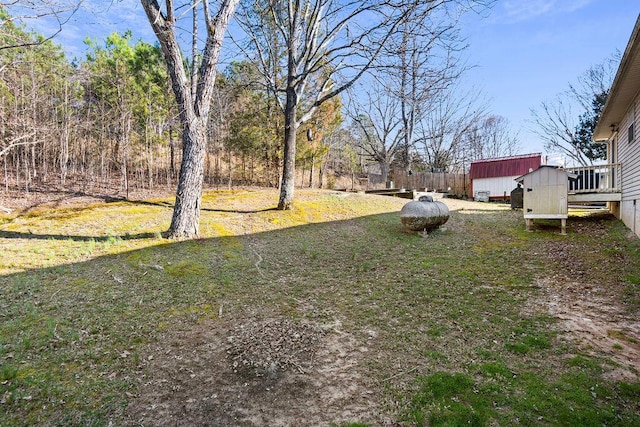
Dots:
(529, 335)
(451, 322)
(444, 398)
(499, 395)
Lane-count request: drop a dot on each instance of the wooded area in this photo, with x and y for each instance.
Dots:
(317, 107)
(111, 119)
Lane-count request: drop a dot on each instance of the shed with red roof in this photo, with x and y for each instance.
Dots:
(495, 178)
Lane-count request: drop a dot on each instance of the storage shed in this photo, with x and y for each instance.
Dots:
(493, 178)
(545, 195)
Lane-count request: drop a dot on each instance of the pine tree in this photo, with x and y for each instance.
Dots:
(582, 140)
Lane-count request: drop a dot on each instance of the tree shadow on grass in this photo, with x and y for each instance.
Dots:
(71, 194)
(29, 235)
(23, 235)
(171, 205)
(133, 324)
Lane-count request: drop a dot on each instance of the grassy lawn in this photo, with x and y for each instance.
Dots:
(457, 325)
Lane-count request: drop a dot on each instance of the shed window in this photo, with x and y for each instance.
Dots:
(631, 133)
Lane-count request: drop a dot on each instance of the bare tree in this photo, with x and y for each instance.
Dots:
(333, 42)
(441, 134)
(410, 97)
(33, 81)
(556, 121)
(490, 136)
(421, 60)
(376, 123)
(23, 11)
(193, 103)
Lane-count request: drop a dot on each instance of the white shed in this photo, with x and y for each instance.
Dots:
(493, 178)
(545, 195)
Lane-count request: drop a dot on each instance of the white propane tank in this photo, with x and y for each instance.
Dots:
(424, 214)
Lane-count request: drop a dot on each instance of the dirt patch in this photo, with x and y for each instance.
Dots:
(260, 372)
(585, 296)
(19, 202)
(596, 323)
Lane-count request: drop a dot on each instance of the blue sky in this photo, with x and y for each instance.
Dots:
(528, 51)
(525, 51)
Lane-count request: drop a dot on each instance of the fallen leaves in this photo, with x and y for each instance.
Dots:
(270, 347)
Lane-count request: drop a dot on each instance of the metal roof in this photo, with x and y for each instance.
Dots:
(505, 166)
(624, 89)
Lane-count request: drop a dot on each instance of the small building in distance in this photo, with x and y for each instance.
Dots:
(495, 178)
(546, 192)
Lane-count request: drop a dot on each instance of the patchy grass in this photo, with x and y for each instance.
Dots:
(497, 394)
(451, 320)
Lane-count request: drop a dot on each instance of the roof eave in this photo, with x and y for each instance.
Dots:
(624, 89)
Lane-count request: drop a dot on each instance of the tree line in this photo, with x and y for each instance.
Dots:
(111, 118)
(323, 88)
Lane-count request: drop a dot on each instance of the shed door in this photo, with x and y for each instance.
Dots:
(546, 200)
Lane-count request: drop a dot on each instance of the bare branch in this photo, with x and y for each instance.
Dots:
(26, 11)
(16, 142)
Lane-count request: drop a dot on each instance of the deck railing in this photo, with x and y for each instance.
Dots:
(595, 179)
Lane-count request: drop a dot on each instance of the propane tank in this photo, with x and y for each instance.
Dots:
(424, 214)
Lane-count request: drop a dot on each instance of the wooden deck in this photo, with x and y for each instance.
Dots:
(598, 183)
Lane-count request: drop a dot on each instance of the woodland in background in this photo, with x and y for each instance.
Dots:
(112, 119)
(109, 121)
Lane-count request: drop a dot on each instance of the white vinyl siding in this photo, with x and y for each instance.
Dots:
(629, 158)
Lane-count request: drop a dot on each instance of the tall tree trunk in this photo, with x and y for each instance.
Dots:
(172, 151)
(384, 171)
(194, 105)
(125, 135)
(64, 138)
(229, 168)
(6, 174)
(321, 174)
(186, 212)
(289, 162)
(64, 153)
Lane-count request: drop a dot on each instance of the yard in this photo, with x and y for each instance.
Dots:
(330, 314)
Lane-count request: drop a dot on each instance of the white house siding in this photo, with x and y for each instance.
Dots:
(497, 186)
(629, 157)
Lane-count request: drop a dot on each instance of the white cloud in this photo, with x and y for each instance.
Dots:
(519, 10)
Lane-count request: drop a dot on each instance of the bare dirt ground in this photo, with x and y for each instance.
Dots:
(597, 323)
(255, 373)
(44, 198)
(244, 371)
(591, 314)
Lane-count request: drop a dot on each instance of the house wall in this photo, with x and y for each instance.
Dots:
(496, 186)
(629, 157)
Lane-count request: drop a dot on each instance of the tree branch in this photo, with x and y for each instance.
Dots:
(16, 142)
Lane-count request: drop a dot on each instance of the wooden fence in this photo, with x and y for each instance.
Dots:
(456, 184)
